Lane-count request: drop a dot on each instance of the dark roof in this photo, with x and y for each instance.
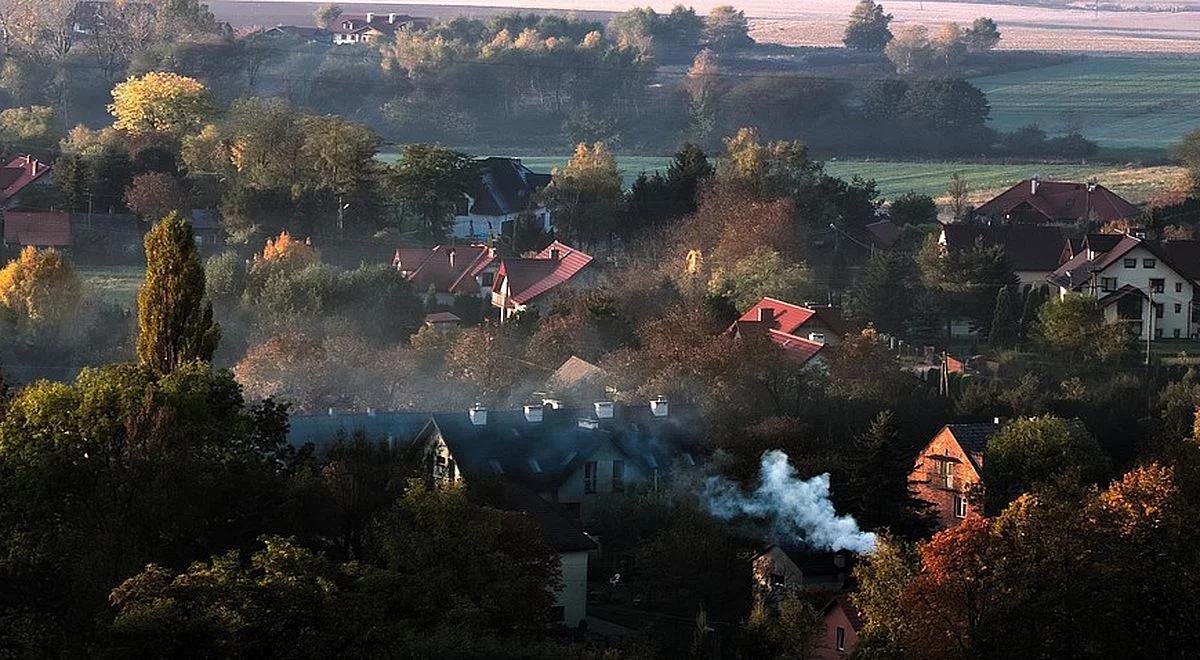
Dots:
(448, 268)
(973, 438)
(388, 24)
(205, 220)
(1029, 247)
(505, 186)
(37, 228)
(442, 317)
(1184, 256)
(1127, 290)
(883, 233)
(322, 430)
(301, 31)
(1061, 200)
(1181, 256)
(815, 564)
(559, 532)
(541, 455)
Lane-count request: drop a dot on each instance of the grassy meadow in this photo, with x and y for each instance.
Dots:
(1120, 102)
(116, 284)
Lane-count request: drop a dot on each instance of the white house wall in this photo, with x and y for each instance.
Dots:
(1172, 321)
(572, 596)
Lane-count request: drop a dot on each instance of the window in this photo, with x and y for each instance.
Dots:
(778, 581)
(1178, 308)
(1131, 263)
(946, 474)
(1175, 333)
(1158, 333)
(1149, 263)
(960, 506)
(1159, 308)
(1157, 285)
(486, 279)
(589, 477)
(1108, 283)
(1179, 287)
(841, 638)
(618, 483)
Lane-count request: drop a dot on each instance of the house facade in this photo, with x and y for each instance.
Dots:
(842, 623)
(503, 192)
(949, 467)
(1145, 285)
(371, 27)
(781, 570)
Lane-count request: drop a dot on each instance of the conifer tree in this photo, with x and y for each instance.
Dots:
(1005, 325)
(175, 321)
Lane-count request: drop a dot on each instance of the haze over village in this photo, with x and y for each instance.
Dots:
(778, 330)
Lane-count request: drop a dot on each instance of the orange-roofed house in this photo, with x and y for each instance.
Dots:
(449, 270)
(802, 332)
(524, 282)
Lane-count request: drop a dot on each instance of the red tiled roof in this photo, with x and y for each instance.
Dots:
(778, 315)
(529, 278)
(40, 229)
(435, 267)
(796, 349)
(1061, 200)
(18, 173)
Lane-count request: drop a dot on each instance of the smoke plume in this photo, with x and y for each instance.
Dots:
(798, 509)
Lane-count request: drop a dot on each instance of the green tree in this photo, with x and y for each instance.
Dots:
(427, 184)
(878, 489)
(1039, 451)
(884, 294)
(1005, 324)
(325, 15)
(175, 321)
(762, 273)
(982, 36)
(1073, 326)
(868, 27)
(726, 28)
(1187, 153)
(913, 208)
(966, 281)
(32, 128)
(586, 195)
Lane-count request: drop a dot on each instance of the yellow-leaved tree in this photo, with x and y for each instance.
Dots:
(160, 102)
(284, 248)
(39, 286)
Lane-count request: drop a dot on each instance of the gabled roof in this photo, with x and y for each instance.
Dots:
(1123, 292)
(796, 349)
(529, 278)
(1028, 247)
(18, 173)
(1181, 256)
(786, 325)
(387, 24)
(442, 317)
(573, 372)
(542, 455)
(39, 228)
(504, 186)
(448, 268)
(301, 32)
(883, 233)
(1061, 200)
(842, 602)
(973, 439)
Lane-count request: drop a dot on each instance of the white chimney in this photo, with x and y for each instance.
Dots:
(370, 411)
(1033, 185)
(451, 253)
(478, 415)
(660, 407)
(554, 404)
(533, 413)
(370, 17)
(331, 412)
(391, 19)
(589, 423)
(818, 337)
(604, 409)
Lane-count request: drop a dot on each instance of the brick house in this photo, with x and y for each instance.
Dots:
(842, 625)
(948, 467)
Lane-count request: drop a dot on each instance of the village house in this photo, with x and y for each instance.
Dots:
(449, 270)
(842, 623)
(578, 381)
(949, 467)
(39, 229)
(372, 27)
(781, 570)
(301, 33)
(802, 332)
(1033, 251)
(503, 191)
(526, 282)
(560, 461)
(21, 177)
(1034, 201)
(1149, 286)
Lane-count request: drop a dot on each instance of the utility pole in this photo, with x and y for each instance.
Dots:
(1150, 325)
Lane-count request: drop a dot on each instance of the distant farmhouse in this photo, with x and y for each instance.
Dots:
(370, 28)
(21, 177)
(504, 191)
(1034, 201)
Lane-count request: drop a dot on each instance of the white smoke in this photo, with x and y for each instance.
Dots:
(798, 509)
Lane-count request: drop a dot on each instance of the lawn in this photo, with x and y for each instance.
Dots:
(1120, 102)
(116, 284)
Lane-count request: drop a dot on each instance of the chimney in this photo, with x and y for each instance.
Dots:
(533, 413)
(555, 254)
(370, 411)
(766, 314)
(331, 412)
(1033, 185)
(478, 415)
(451, 253)
(1091, 186)
(554, 404)
(34, 165)
(589, 423)
(370, 17)
(604, 409)
(391, 19)
(660, 407)
(396, 260)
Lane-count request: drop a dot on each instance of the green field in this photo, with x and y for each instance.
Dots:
(116, 284)
(1119, 102)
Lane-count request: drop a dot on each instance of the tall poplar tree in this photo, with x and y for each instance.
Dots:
(175, 321)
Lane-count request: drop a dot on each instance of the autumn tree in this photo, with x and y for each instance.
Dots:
(587, 194)
(911, 51)
(160, 102)
(868, 27)
(1039, 451)
(726, 28)
(40, 287)
(761, 273)
(704, 88)
(325, 15)
(175, 320)
(155, 194)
